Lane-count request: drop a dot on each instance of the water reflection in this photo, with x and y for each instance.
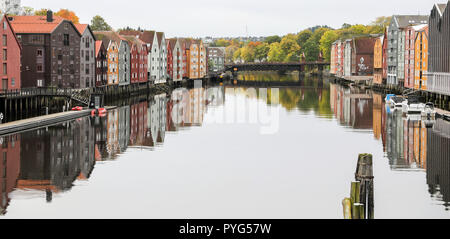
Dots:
(438, 165)
(410, 143)
(46, 162)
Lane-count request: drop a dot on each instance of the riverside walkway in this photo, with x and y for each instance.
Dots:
(42, 121)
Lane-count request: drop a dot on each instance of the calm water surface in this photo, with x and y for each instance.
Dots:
(229, 152)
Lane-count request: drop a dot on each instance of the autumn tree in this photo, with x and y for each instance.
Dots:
(276, 54)
(229, 53)
(290, 48)
(261, 51)
(68, 15)
(99, 24)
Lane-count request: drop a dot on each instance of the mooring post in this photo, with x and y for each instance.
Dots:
(347, 206)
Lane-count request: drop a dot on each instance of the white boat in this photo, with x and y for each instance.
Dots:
(429, 111)
(412, 106)
(397, 101)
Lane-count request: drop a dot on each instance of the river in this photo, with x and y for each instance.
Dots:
(229, 152)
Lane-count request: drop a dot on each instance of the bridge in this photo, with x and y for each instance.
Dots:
(276, 66)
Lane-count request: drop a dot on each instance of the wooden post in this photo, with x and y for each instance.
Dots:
(347, 206)
(358, 211)
(355, 192)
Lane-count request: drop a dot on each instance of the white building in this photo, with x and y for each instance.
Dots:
(162, 58)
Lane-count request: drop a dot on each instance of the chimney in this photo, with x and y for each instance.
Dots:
(49, 16)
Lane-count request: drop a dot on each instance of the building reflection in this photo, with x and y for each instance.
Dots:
(9, 168)
(52, 158)
(352, 108)
(406, 141)
(438, 165)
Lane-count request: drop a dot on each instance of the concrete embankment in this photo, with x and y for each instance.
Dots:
(42, 121)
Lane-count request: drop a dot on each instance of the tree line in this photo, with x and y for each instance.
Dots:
(308, 44)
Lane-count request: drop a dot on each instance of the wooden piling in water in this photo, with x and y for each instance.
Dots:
(361, 201)
(347, 206)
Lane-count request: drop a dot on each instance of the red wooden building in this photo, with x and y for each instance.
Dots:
(138, 60)
(10, 56)
(101, 68)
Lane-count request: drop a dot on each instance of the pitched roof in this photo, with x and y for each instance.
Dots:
(81, 28)
(35, 24)
(441, 7)
(172, 42)
(132, 40)
(5, 17)
(107, 36)
(410, 20)
(98, 46)
(160, 36)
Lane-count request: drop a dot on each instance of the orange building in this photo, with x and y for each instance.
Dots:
(202, 59)
(378, 61)
(112, 56)
(377, 115)
(421, 59)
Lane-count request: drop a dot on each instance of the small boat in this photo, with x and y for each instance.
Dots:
(388, 97)
(429, 111)
(100, 112)
(397, 101)
(412, 106)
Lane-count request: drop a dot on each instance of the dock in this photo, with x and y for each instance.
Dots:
(443, 114)
(43, 121)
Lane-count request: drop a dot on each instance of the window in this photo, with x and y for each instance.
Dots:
(39, 53)
(5, 54)
(40, 83)
(5, 26)
(5, 40)
(39, 68)
(5, 69)
(66, 40)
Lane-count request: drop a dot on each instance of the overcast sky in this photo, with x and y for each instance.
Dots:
(198, 18)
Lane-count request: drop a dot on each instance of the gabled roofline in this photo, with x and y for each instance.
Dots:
(5, 16)
(71, 23)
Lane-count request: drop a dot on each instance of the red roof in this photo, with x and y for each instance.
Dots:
(81, 28)
(98, 46)
(34, 24)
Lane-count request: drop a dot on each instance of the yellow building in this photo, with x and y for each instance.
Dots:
(378, 61)
(421, 59)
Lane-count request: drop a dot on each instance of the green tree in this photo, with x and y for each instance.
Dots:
(41, 12)
(99, 24)
(276, 54)
(237, 55)
(290, 48)
(273, 39)
(229, 53)
(222, 43)
(303, 36)
(311, 50)
(317, 35)
(325, 43)
(248, 53)
(261, 52)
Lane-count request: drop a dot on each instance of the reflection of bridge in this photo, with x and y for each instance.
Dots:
(276, 66)
(294, 84)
